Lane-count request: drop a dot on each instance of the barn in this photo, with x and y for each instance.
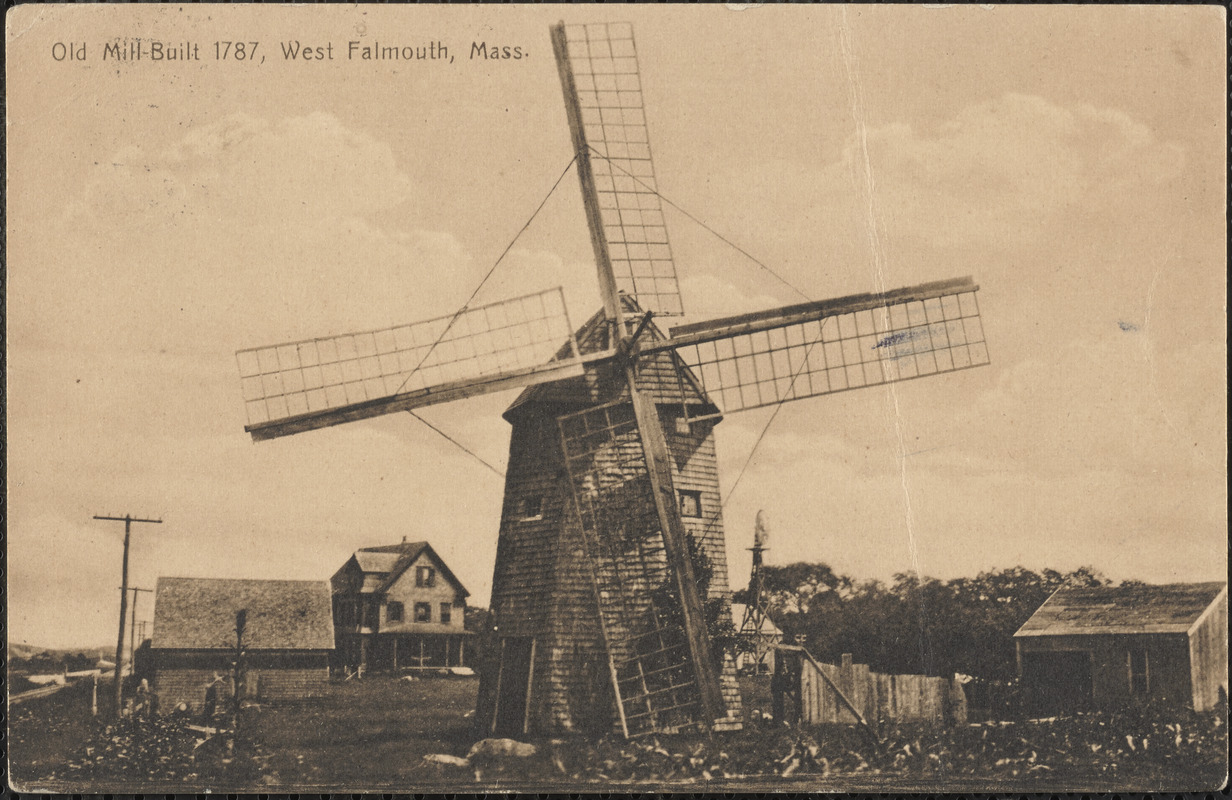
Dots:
(288, 637)
(1112, 647)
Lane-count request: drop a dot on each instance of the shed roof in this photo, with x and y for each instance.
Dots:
(199, 614)
(1167, 608)
(664, 375)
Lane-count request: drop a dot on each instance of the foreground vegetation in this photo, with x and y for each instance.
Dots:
(375, 734)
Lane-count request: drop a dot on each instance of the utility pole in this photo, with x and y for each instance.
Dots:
(119, 659)
(132, 628)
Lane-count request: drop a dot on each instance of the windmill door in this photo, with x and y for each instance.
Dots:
(517, 665)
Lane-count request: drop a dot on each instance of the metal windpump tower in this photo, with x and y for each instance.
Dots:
(754, 618)
(611, 493)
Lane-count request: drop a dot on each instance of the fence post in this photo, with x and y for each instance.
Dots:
(958, 702)
(846, 677)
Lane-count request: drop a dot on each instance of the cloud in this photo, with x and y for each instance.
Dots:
(1000, 170)
(707, 295)
(241, 232)
(285, 171)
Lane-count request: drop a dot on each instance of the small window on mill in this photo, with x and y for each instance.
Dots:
(531, 507)
(394, 612)
(690, 503)
(423, 612)
(425, 576)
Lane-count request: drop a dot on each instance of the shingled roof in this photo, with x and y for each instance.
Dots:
(199, 614)
(382, 565)
(1168, 608)
(664, 375)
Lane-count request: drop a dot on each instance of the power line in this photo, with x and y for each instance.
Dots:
(459, 312)
(779, 405)
(461, 446)
(718, 235)
(492, 269)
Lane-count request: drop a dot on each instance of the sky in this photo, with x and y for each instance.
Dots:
(163, 215)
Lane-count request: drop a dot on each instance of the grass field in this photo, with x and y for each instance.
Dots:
(374, 734)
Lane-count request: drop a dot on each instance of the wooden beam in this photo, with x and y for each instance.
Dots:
(406, 401)
(590, 197)
(683, 335)
(841, 696)
(676, 549)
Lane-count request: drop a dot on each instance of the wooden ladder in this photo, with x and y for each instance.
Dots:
(652, 672)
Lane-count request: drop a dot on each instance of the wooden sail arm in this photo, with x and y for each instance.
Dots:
(790, 353)
(431, 395)
(602, 88)
(727, 327)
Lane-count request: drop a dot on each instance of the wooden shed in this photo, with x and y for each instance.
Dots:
(288, 637)
(1110, 647)
(550, 670)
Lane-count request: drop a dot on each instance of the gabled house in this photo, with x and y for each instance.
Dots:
(399, 607)
(288, 638)
(1114, 646)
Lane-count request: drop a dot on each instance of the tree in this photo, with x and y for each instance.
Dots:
(717, 611)
(795, 587)
(919, 624)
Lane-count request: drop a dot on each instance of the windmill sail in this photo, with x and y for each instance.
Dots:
(821, 348)
(653, 673)
(316, 383)
(603, 96)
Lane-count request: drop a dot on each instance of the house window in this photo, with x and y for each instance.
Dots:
(1139, 672)
(690, 503)
(423, 612)
(394, 612)
(531, 507)
(446, 612)
(425, 576)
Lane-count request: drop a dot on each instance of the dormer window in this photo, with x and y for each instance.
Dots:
(425, 576)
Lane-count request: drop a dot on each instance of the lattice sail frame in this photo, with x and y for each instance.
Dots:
(652, 671)
(603, 60)
(297, 378)
(825, 348)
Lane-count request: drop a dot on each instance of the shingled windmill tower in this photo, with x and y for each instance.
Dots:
(611, 516)
(543, 591)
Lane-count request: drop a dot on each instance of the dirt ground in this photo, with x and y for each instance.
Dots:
(374, 734)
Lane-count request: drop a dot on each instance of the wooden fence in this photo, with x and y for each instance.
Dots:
(852, 694)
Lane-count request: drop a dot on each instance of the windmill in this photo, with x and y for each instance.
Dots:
(612, 513)
(754, 618)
